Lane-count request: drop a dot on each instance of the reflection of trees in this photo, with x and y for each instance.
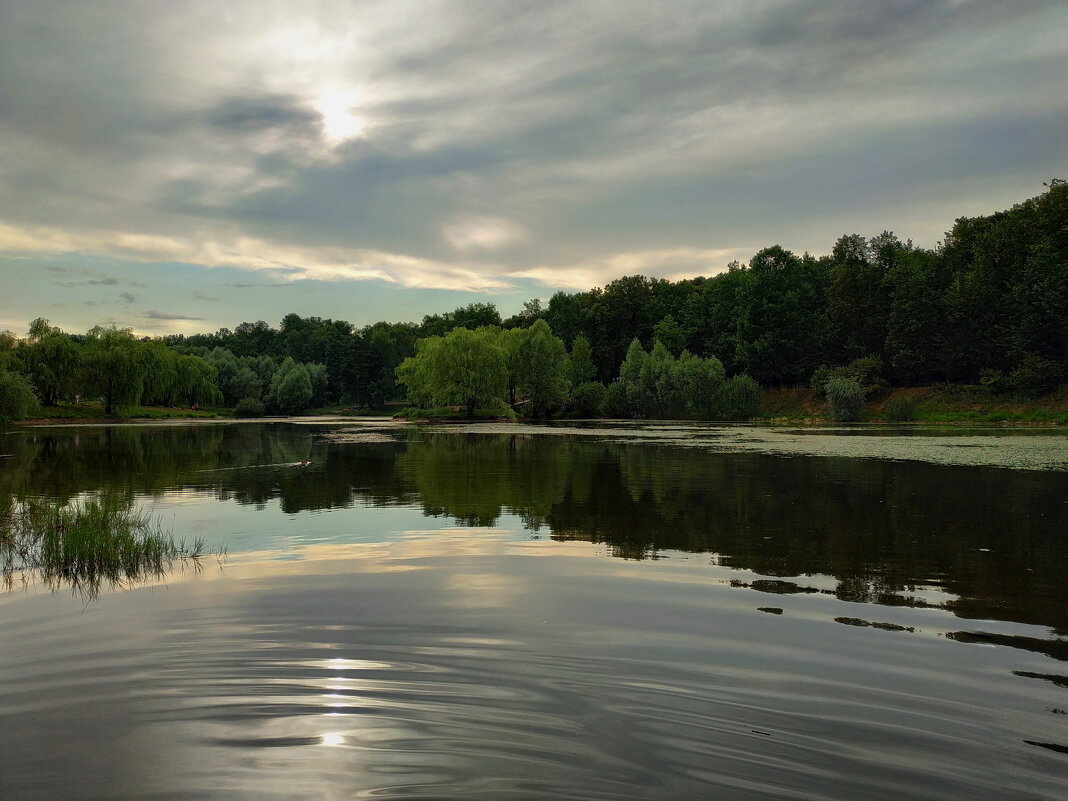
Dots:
(475, 478)
(876, 526)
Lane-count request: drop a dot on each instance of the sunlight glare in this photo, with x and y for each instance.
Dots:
(332, 738)
(339, 120)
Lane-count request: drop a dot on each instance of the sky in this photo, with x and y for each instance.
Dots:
(175, 167)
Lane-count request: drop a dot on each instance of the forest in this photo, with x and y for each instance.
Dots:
(988, 306)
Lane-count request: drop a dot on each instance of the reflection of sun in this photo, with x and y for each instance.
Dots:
(332, 738)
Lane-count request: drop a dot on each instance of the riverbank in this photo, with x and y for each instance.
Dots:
(946, 404)
(941, 404)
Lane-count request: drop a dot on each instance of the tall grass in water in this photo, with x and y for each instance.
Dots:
(86, 544)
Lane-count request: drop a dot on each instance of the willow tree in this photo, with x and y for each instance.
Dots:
(113, 369)
(52, 360)
(464, 367)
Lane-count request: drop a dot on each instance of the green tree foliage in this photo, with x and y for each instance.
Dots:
(781, 324)
(17, 398)
(53, 362)
(699, 381)
(194, 381)
(858, 297)
(544, 369)
(846, 399)
(248, 407)
(657, 385)
(588, 399)
(992, 299)
(866, 371)
(464, 367)
(291, 387)
(582, 368)
(616, 403)
(113, 367)
(668, 333)
(511, 342)
(738, 398)
(639, 399)
(475, 315)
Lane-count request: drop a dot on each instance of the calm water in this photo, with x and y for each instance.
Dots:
(499, 612)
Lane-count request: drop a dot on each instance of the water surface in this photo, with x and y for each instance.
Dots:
(587, 612)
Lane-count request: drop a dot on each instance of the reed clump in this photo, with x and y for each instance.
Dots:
(86, 544)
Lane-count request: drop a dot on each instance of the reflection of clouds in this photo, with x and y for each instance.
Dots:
(485, 590)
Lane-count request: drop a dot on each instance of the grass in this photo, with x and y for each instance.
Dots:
(87, 544)
(939, 404)
(95, 411)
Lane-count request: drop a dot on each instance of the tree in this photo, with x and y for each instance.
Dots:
(699, 380)
(582, 369)
(659, 385)
(544, 368)
(781, 324)
(475, 315)
(668, 332)
(195, 381)
(294, 390)
(738, 399)
(464, 367)
(113, 367)
(630, 378)
(17, 399)
(53, 362)
(290, 394)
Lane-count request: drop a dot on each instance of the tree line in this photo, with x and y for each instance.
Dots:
(988, 305)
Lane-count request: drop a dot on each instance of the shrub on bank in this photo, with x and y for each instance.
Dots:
(248, 407)
(588, 398)
(846, 398)
(738, 398)
(900, 409)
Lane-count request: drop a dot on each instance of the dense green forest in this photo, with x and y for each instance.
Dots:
(988, 306)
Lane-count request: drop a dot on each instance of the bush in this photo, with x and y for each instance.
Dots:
(900, 409)
(248, 407)
(17, 398)
(738, 398)
(588, 398)
(1035, 376)
(995, 382)
(846, 397)
(616, 403)
(866, 371)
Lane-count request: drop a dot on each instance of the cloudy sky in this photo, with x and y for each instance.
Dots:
(181, 166)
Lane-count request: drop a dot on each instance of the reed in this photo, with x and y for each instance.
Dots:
(87, 544)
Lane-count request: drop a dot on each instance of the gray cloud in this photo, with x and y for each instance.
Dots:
(474, 143)
(126, 297)
(256, 113)
(159, 316)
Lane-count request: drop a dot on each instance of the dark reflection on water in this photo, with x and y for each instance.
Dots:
(891, 533)
(801, 628)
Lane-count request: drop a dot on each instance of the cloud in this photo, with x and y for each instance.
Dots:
(465, 148)
(163, 317)
(126, 297)
(674, 264)
(284, 261)
(482, 233)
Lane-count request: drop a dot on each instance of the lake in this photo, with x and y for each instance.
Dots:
(623, 611)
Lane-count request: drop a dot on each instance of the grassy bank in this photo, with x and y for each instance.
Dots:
(94, 412)
(940, 404)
